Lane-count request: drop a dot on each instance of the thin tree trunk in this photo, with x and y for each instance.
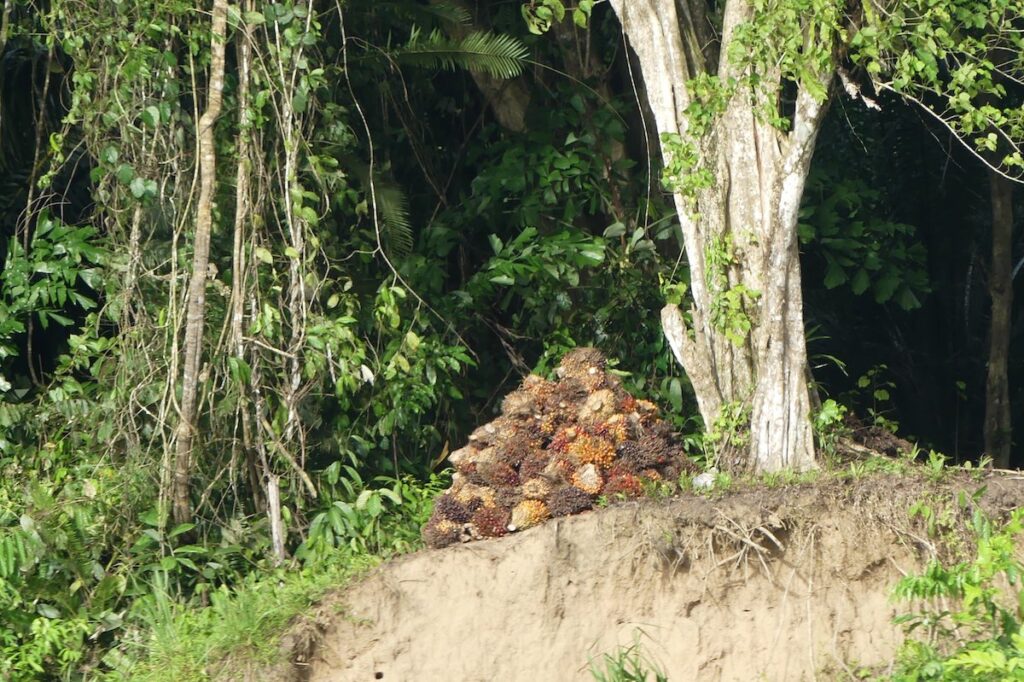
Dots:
(998, 425)
(239, 263)
(195, 311)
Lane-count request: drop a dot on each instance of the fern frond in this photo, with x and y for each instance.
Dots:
(497, 55)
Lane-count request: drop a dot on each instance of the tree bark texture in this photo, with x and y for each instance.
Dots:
(998, 424)
(195, 305)
(739, 234)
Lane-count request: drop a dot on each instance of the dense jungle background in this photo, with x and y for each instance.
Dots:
(408, 206)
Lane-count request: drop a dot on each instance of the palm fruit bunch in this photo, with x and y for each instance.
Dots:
(556, 448)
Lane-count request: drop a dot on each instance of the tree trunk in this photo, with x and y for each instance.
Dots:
(239, 264)
(195, 310)
(998, 425)
(745, 352)
(507, 98)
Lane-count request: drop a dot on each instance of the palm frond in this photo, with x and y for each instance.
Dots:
(396, 232)
(499, 56)
(445, 12)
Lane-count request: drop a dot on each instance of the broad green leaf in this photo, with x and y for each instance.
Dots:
(183, 527)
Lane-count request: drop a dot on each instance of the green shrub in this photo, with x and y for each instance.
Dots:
(969, 628)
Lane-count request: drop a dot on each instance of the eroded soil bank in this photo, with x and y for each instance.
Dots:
(787, 583)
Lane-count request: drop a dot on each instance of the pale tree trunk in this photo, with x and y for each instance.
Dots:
(998, 425)
(195, 306)
(739, 233)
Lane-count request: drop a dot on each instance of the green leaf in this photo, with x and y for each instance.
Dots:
(363, 498)
(264, 255)
(675, 394)
(402, 362)
(151, 518)
(496, 243)
(860, 282)
(183, 527)
(391, 495)
(374, 506)
(834, 275)
(60, 319)
(907, 300)
(138, 187)
(616, 229)
(125, 173)
(239, 370)
(151, 116)
(503, 279)
(886, 286)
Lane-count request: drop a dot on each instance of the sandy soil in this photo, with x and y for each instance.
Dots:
(767, 584)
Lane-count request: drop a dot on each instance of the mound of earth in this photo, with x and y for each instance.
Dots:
(556, 448)
(787, 584)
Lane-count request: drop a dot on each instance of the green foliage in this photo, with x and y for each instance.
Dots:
(955, 58)
(729, 302)
(789, 39)
(729, 434)
(572, 249)
(936, 465)
(188, 643)
(627, 664)
(49, 279)
(829, 425)
(969, 613)
(875, 389)
(379, 521)
(525, 260)
(60, 581)
(876, 464)
(541, 14)
(683, 173)
(842, 220)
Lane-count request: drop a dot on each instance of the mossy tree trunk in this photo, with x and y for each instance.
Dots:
(743, 346)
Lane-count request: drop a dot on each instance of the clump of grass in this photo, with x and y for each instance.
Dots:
(183, 643)
(627, 664)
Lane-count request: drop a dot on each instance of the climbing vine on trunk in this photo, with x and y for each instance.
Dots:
(195, 305)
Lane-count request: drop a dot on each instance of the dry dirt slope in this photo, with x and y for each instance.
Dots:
(773, 584)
